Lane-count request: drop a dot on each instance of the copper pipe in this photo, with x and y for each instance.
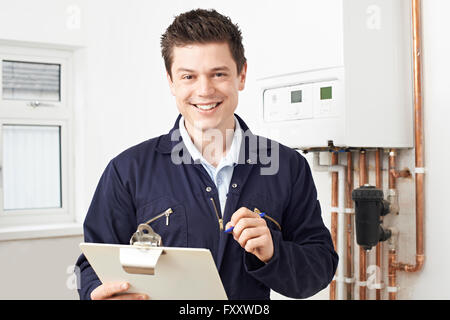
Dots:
(400, 173)
(362, 252)
(392, 273)
(362, 274)
(419, 150)
(378, 176)
(419, 153)
(393, 173)
(362, 168)
(418, 137)
(334, 216)
(378, 263)
(392, 251)
(393, 197)
(392, 177)
(349, 222)
(379, 185)
(392, 163)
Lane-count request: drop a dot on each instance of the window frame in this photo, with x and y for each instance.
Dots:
(19, 112)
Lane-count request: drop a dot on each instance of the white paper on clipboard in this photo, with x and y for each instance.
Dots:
(178, 273)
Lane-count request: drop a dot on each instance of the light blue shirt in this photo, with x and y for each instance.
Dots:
(224, 171)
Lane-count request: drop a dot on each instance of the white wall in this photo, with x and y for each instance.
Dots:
(122, 99)
(45, 21)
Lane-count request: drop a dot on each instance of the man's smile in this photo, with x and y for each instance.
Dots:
(206, 106)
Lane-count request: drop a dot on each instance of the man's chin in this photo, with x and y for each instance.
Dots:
(205, 126)
(201, 124)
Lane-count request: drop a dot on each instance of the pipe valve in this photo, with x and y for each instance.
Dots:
(370, 206)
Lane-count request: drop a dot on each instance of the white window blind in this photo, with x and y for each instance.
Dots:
(31, 81)
(31, 167)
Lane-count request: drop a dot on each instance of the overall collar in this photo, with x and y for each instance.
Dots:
(249, 148)
(232, 156)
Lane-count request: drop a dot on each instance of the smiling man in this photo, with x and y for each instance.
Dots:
(203, 184)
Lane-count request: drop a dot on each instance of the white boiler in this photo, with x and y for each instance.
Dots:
(365, 102)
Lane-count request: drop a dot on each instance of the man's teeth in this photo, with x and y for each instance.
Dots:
(207, 106)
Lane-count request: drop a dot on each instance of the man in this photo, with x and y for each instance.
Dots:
(207, 175)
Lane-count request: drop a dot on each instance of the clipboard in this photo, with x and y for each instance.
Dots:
(164, 273)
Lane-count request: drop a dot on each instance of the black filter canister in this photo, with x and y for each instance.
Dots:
(369, 207)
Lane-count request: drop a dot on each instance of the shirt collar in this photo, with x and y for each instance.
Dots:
(232, 156)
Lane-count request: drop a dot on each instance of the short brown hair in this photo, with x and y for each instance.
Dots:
(202, 26)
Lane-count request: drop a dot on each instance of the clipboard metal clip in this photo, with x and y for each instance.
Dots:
(145, 236)
(143, 254)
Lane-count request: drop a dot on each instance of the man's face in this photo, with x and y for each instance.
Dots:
(205, 84)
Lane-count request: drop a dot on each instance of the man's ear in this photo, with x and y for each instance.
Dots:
(242, 76)
(171, 85)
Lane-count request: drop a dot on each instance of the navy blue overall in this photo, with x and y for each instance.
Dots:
(143, 182)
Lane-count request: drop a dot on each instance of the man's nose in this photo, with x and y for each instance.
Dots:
(205, 87)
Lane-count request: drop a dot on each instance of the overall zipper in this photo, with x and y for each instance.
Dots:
(256, 210)
(166, 213)
(217, 214)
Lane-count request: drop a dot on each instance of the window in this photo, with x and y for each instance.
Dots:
(36, 180)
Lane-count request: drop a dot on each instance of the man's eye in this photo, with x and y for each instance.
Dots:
(220, 74)
(187, 77)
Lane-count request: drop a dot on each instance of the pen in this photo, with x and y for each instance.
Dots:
(262, 214)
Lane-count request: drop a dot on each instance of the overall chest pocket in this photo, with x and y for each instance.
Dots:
(167, 217)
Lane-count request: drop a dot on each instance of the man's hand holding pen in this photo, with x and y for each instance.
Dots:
(251, 232)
